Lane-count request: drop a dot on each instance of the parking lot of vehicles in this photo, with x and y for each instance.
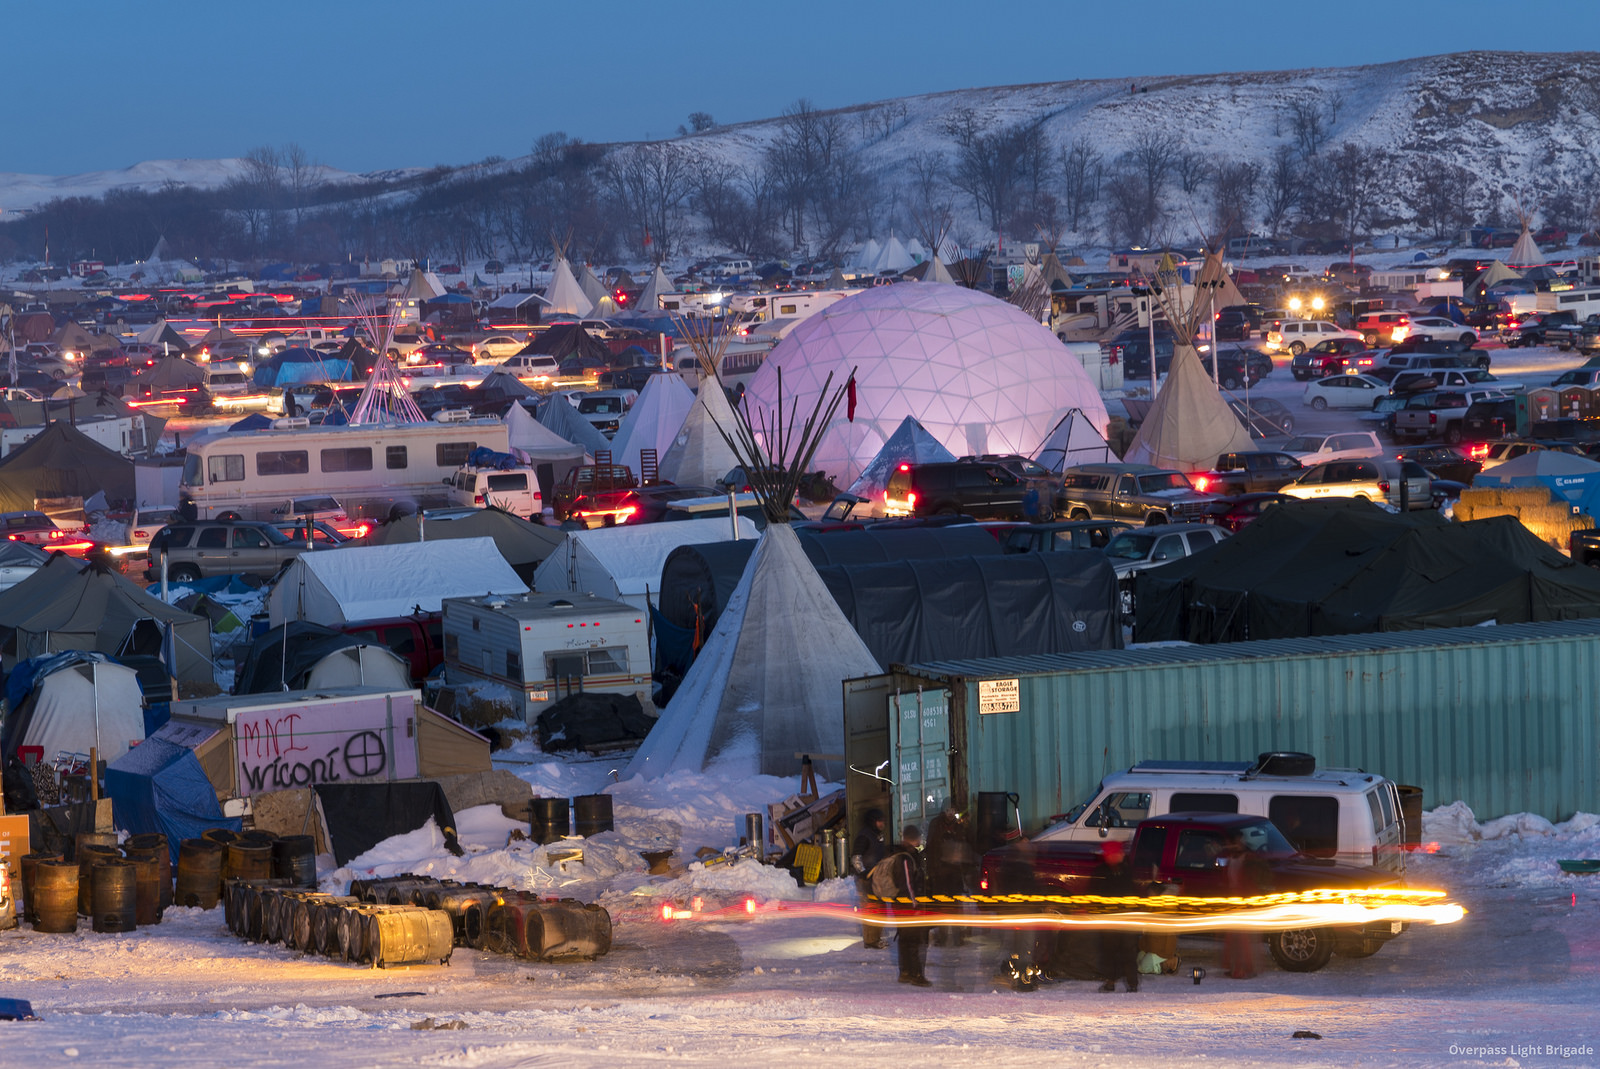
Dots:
(1404, 484)
(1436, 414)
(1137, 493)
(1297, 335)
(1134, 551)
(1344, 391)
(1443, 462)
(37, 529)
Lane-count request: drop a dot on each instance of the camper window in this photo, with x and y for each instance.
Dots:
(285, 462)
(226, 468)
(347, 459)
(608, 661)
(1202, 802)
(395, 457)
(513, 665)
(452, 454)
(1309, 821)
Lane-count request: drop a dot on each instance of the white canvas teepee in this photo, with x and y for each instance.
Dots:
(698, 455)
(1189, 424)
(909, 444)
(1075, 440)
(938, 272)
(766, 684)
(892, 257)
(558, 415)
(564, 294)
(591, 287)
(868, 255)
(648, 302)
(654, 420)
(1526, 250)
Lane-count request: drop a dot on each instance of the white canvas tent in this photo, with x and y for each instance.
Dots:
(534, 443)
(360, 666)
(422, 286)
(938, 272)
(590, 285)
(564, 294)
(909, 444)
(868, 255)
(624, 563)
(86, 701)
(699, 455)
(373, 582)
(1189, 424)
(766, 685)
(653, 421)
(558, 417)
(1526, 250)
(1075, 440)
(892, 258)
(648, 302)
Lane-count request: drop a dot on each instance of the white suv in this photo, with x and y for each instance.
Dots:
(1298, 335)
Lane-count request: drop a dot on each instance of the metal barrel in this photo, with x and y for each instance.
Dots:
(54, 897)
(249, 861)
(566, 930)
(147, 885)
(29, 866)
(592, 814)
(158, 842)
(548, 819)
(199, 873)
(114, 897)
(91, 838)
(410, 937)
(90, 855)
(294, 858)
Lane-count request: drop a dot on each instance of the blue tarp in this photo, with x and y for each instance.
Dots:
(19, 684)
(484, 457)
(159, 786)
(255, 421)
(293, 367)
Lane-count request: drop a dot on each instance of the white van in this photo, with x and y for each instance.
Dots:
(1341, 813)
(225, 380)
(532, 367)
(513, 490)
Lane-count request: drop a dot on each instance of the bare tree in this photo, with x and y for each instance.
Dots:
(1443, 196)
(992, 168)
(1232, 194)
(817, 176)
(1312, 119)
(1151, 160)
(701, 121)
(299, 173)
(1193, 171)
(1282, 189)
(1347, 187)
(651, 182)
(1081, 168)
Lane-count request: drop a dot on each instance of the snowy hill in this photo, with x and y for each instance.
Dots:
(22, 191)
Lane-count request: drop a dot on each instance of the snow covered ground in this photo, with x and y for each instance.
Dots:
(1521, 971)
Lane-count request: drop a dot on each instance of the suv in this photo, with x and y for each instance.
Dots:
(1401, 483)
(1237, 322)
(1132, 347)
(1070, 534)
(1326, 358)
(1445, 378)
(1487, 420)
(983, 491)
(532, 367)
(1133, 552)
(200, 549)
(1249, 473)
(1384, 328)
(1235, 365)
(1298, 335)
(513, 490)
(1437, 414)
(1138, 493)
(1317, 448)
(604, 409)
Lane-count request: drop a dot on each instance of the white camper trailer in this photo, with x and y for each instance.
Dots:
(542, 647)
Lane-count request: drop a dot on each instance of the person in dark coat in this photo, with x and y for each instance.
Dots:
(1119, 949)
(866, 851)
(952, 864)
(901, 875)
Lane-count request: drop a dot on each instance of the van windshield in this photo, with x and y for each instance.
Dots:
(1130, 546)
(1078, 810)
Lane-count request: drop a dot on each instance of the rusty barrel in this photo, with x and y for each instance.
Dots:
(199, 873)
(592, 814)
(91, 838)
(548, 819)
(468, 909)
(249, 860)
(566, 930)
(30, 866)
(294, 858)
(114, 897)
(157, 842)
(147, 884)
(53, 900)
(90, 855)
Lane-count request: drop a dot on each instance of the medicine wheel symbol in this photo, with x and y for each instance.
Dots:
(363, 754)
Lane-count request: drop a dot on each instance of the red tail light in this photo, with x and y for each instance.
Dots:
(911, 500)
(1478, 452)
(1201, 483)
(141, 534)
(1384, 486)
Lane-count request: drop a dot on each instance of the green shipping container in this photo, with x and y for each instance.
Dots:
(1502, 718)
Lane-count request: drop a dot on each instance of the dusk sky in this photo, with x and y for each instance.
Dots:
(366, 86)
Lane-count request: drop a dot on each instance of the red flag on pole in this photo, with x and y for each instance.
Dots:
(850, 400)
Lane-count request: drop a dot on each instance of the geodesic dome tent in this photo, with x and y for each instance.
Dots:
(976, 372)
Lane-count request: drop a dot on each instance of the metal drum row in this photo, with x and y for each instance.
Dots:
(119, 888)
(500, 919)
(340, 927)
(204, 864)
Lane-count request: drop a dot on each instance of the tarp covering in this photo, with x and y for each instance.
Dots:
(767, 684)
(909, 444)
(374, 582)
(159, 787)
(1016, 604)
(697, 580)
(1346, 567)
(558, 416)
(540, 447)
(565, 340)
(1189, 425)
(68, 605)
(524, 545)
(172, 373)
(653, 421)
(75, 701)
(362, 815)
(62, 461)
(294, 367)
(624, 563)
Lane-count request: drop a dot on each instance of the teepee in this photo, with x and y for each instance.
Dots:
(591, 287)
(699, 454)
(765, 686)
(558, 415)
(868, 255)
(564, 294)
(654, 420)
(909, 444)
(1526, 251)
(1073, 441)
(649, 300)
(1189, 424)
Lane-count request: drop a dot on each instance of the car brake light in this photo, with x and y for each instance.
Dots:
(1384, 486)
(1433, 417)
(477, 499)
(983, 883)
(141, 534)
(911, 500)
(1478, 452)
(1201, 483)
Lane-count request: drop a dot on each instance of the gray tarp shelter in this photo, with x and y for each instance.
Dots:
(62, 462)
(524, 545)
(1346, 567)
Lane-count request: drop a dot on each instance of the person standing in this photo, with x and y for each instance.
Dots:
(952, 863)
(1246, 877)
(1119, 949)
(866, 851)
(901, 876)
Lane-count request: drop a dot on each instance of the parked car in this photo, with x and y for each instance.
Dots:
(146, 521)
(1488, 420)
(1262, 416)
(1325, 357)
(1137, 493)
(1443, 462)
(1245, 473)
(1578, 376)
(1132, 349)
(984, 491)
(496, 347)
(200, 549)
(602, 485)
(1237, 322)
(1136, 551)
(1539, 328)
(531, 367)
(325, 535)
(1297, 335)
(1400, 483)
(418, 640)
(1436, 414)
(1234, 365)
(1236, 513)
(604, 409)
(1386, 327)
(1405, 382)
(1069, 534)
(1342, 445)
(1493, 454)
(1440, 327)
(35, 528)
(1344, 391)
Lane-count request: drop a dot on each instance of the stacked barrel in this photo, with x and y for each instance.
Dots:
(118, 888)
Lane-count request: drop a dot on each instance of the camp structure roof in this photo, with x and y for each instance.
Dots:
(1189, 425)
(564, 340)
(1344, 567)
(564, 294)
(909, 444)
(1526, 250)
(173, 373)
(624, 563)
(699, 455)
(70, 605)
(868, 255)
(653, 421)
(72, 336)
(892, 258)
(558, 416)
(524, 545)
(374, 582)
(1056, 277)
(297, 365)
(63, 462)
(514, 300)
(216, 336)
(71, 703)
(161, 334)
(765, 686)
(161, 786)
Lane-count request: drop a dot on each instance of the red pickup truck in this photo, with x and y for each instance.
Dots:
(1189, 852)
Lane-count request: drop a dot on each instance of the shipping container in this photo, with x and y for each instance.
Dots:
(1502, 718)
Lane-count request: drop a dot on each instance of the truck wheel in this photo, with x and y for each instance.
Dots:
(184, 573)
(1155, 519)
(1468, 339)
(1296, 348)
(1319, 403)
(1483, 363)
(1452, 434)
(1305, 950)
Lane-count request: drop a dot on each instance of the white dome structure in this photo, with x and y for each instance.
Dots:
(976, 372)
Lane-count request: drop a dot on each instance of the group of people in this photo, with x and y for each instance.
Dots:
(902, 875)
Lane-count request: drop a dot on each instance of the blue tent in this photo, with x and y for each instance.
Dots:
(295, 366)
(1577, 479)
(159, 786)
(255, 421)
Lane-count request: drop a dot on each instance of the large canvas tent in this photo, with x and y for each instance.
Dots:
(624, 563)
(160, 787)
(1189, 425)
(63, 462)
(535, 444)
(374, 582)
(909, 444)
(653, 421)
(524, 545)
(72, 702)
(1345, 567)
(69, 605)
(566, 340)
(560, 417)
(766, 686)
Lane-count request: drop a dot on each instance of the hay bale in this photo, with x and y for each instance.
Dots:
(1479, 496)
(1525, 496)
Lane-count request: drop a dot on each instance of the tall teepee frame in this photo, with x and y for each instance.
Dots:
(385, 399)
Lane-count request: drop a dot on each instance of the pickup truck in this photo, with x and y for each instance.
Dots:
(1138, 493)
(1585, 336)
(596, 483)
(1585, 546)
(1437, 414)
(1540, 328)
(1187, 853)
(1249, 473)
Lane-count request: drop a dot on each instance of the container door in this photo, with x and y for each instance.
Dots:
(869, 772)
(919, 739)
